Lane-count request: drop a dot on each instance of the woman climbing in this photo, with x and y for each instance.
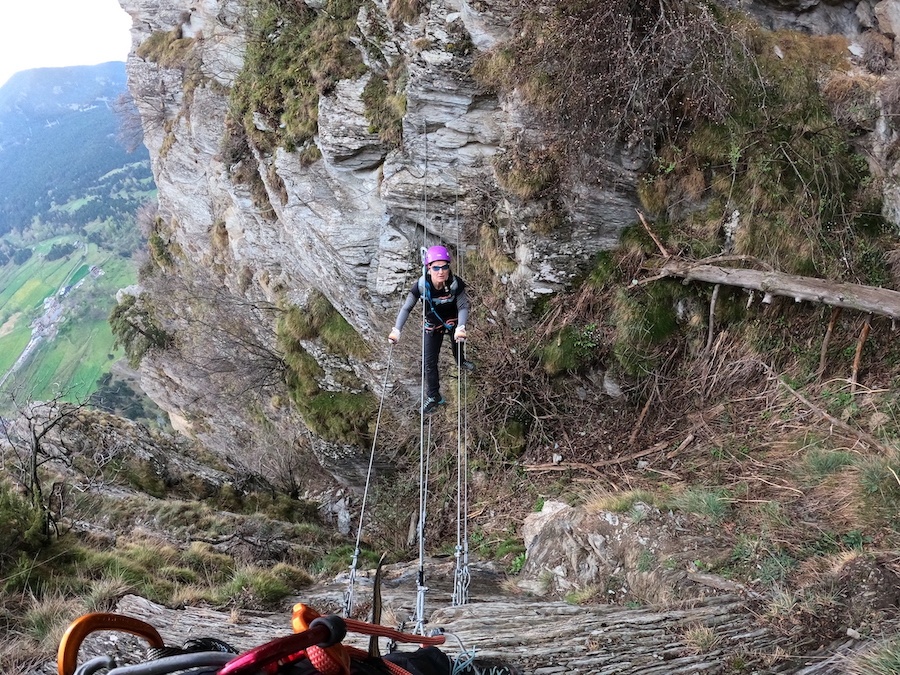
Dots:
(446, 310)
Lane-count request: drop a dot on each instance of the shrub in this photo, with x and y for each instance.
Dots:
(601, 72)
(136, 328)
(643, 319)
(166, 48)
(336, 415)
(319, 319)
(570, 349)
(21, 527)
(385, 104)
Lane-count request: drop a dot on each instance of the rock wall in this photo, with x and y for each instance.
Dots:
(352, 223)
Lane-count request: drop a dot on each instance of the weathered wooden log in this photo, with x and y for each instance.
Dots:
(868, 299)
(539, 636)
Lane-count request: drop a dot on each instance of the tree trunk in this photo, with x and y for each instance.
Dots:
(869, 299)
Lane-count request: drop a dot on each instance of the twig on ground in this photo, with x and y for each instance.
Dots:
(857, 357)
(640, 419)
(662, 249)
(826, 341)
(858, 433)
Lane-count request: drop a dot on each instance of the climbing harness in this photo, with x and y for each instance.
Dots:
(430, 305)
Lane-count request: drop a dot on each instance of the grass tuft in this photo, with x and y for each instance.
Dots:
(882, 658)
(583, 596)
(713, 504)
(294, 55)
(701, 639)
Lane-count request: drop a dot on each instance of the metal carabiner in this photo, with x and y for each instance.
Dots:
(78, 630)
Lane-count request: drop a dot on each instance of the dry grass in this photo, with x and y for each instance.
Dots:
(528, 172)
(105, 592)
(893, 259)
(598, 498)
(586, 595)
(852, 99)
(404, 11)
(701, 639)
(19, 657)
(44, 619)
(881, 658)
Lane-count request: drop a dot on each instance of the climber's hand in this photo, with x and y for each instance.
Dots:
(394, 337)
(460, 334)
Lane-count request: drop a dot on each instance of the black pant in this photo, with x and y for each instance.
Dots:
(432, 350)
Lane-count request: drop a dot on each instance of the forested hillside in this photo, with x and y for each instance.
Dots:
(60, 137)
(72, 179)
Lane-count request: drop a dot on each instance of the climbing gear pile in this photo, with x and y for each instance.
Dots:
(315, 648)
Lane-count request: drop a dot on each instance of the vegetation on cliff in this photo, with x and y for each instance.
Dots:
(773, 420)
(294, 55)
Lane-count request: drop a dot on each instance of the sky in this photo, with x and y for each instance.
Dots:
(53, 33)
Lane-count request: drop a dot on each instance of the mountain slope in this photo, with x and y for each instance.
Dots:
(58, 138)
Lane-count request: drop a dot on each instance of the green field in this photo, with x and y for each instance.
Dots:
(79, 274)
(12, 344)
(82, 350)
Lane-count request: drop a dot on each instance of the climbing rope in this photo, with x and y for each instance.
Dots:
(461, 576)
(421, 588)
(424, 470)
(351, 582)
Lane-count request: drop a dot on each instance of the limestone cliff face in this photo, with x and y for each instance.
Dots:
(350, 225)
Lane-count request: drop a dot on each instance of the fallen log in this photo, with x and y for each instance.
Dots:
(868, 299)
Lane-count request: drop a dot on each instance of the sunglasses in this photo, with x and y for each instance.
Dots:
(439, 268)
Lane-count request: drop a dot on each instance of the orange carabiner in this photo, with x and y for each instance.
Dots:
(78, 630)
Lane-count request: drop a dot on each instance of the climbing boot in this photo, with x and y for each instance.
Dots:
(431, 404)
(467, 367)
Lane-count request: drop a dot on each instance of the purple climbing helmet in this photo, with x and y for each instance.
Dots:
(436, 253)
